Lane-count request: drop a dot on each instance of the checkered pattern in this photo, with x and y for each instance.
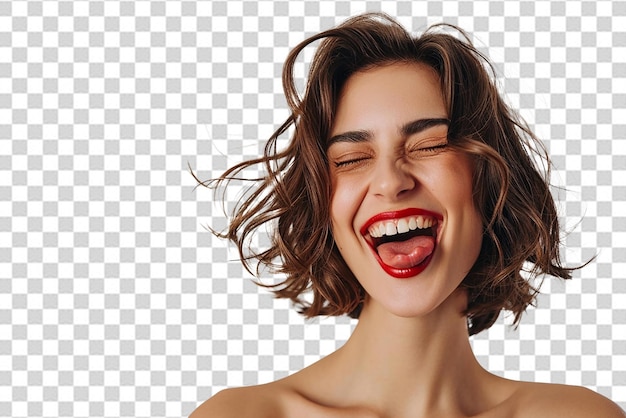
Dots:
(114, 301)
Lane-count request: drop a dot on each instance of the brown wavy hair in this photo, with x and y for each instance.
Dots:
(521, 230)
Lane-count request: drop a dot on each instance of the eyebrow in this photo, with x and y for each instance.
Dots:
(408, 129)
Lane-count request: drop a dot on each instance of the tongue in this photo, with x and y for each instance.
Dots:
(406, 254)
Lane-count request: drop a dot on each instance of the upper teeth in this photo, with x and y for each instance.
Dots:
(400, 226)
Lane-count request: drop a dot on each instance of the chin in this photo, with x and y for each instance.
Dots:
(405, 307)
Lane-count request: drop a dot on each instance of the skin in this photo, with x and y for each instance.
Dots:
(409, 355)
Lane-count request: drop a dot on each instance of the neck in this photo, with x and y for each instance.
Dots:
(412, 363)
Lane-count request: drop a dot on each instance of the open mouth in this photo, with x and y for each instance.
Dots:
(403, 241)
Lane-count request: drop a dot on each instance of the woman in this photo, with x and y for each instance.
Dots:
(407, 197)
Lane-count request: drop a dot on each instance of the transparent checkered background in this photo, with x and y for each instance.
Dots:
(114, 299)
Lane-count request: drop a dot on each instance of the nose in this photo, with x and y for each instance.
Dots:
(391, 179)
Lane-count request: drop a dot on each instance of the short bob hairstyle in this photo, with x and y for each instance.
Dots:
(511, 191)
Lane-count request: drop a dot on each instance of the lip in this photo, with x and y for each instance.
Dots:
(397, 214)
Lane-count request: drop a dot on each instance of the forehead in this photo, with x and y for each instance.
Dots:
(391, 94)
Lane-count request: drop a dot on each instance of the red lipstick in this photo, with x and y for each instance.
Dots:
(401, 273)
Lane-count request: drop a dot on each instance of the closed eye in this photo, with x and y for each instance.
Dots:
(431, 149)
(345, 163)
(434, 148)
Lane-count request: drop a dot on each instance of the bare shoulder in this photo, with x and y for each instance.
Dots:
(253, 401)
(555, 401)
(273, 400)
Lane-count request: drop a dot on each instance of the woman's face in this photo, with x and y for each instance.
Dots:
(402, 211)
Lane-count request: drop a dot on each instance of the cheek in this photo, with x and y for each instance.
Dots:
(461, 182)
(339, 201)
(457, 195)
(344, 204)
(464, 200)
